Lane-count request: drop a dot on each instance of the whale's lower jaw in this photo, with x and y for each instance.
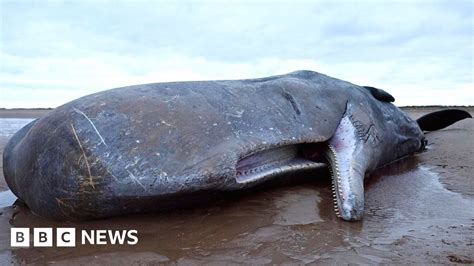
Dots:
(347, 171)
(286, 167)
(338, 154)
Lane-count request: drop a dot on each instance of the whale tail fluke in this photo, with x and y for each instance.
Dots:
(441, 119)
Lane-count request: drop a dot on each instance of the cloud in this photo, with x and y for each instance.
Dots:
(57, 51)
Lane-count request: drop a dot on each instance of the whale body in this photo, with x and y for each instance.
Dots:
(131, 149)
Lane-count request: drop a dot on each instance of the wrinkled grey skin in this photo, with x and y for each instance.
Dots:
(126, 150)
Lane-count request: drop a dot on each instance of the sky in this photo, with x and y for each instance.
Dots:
(52, 52)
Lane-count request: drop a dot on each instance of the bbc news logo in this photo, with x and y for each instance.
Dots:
(66, 237)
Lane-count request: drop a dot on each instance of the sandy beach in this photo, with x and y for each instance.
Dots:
(418, 210)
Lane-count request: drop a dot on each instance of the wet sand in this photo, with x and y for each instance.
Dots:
(418, 210)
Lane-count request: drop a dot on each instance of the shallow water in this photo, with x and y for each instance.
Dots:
(8, 126)
(7, 198)
(409, 217)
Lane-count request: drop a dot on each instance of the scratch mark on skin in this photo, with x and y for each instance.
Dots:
(80, 158)
(116, 179)
(62, 204)
(135, 179)
(85, 157)
(90, 121)
(165, 123)
(172, 99)
(237, 114)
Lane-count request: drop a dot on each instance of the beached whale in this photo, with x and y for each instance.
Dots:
(133, 149)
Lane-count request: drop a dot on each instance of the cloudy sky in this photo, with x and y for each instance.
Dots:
(55, 51)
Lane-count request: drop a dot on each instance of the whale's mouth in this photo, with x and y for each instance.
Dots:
(292, 159)
(339, 154)
(276, 161)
